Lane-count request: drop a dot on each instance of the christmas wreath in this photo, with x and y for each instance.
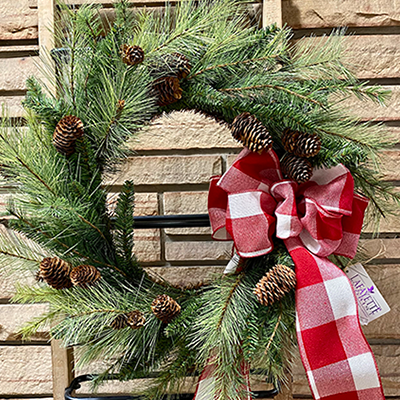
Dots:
(293, 202)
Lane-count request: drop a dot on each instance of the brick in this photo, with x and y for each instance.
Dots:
(186, 203)
(147, 245)
(186, 275)
(17, 20)
(334, 13)
(390, 164)
(7, 289)
(173, 170)
(14, 316)
(372, 56)
(146, 204)
(184, 251)
(183, 130)
(387, 358)
(367, 110)
(13, 105)
(25, 370)
(15, 71)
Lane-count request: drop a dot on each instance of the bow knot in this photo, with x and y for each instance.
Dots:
(252, 199)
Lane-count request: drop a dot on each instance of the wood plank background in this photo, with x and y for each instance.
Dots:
(176, 156)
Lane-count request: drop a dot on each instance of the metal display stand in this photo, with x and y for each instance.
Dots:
(76, 384)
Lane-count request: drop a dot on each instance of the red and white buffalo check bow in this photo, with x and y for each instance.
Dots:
(249, 204)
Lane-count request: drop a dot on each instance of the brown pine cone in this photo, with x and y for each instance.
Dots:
(167, 90)
(165, 308)
(301, 144)
(181, 65)
(135, 319)
(132, 55)
(251, 133)
(55, 272)
(68, 130)
(84, 275)
(120, 322)
(296, 168)
(275, 284)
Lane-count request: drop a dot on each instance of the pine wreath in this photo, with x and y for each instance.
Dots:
(232, 71)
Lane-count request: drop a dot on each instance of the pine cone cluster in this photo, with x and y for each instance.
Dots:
(68, 130)
(55, 272)
(275, 284)
(296, 168)
(84, 275)
(165, 308)
(251, 133)
(301, 144)
(167, 90)
(132, 55)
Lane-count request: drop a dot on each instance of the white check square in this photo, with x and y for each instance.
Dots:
(360, 364)
(243, 205)
(341, 297)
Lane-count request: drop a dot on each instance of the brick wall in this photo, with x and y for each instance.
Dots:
(172, 162)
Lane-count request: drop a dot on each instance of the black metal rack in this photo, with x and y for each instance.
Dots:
(76, 384)
(172, 221)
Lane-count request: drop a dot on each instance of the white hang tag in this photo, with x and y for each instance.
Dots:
(371, 304)
(232, 265)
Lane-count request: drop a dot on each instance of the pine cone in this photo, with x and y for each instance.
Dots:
(135, 319)
(251, 133)
(132, 55)
(170, 65)
(275, 284)
(181, 65)
(301, 144)
(296, 168)
(120, 322)
(167, 90)
(55, 272)
(68, 130)
(165, 308)
(84, 275)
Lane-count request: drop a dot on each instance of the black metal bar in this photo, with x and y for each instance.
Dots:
(172, 221)
(76, 384)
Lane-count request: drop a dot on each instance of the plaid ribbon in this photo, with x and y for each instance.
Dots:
(323, 216)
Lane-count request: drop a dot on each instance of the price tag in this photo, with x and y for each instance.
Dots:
(371, 304)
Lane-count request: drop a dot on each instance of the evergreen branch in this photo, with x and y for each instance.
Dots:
(6, 253)
(275, 87)
(66, 246)
(35, 175)
(92, 226)
(232, 64)
(273, 333)
(229, 298)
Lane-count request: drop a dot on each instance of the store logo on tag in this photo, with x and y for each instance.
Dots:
(371, 304)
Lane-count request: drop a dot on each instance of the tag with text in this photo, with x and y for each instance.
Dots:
(371, 304)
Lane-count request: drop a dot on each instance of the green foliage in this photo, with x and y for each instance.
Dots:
(123, 232)
(60, 203)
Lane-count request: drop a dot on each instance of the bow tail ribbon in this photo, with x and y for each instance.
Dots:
(249, 203)
(336, 356)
